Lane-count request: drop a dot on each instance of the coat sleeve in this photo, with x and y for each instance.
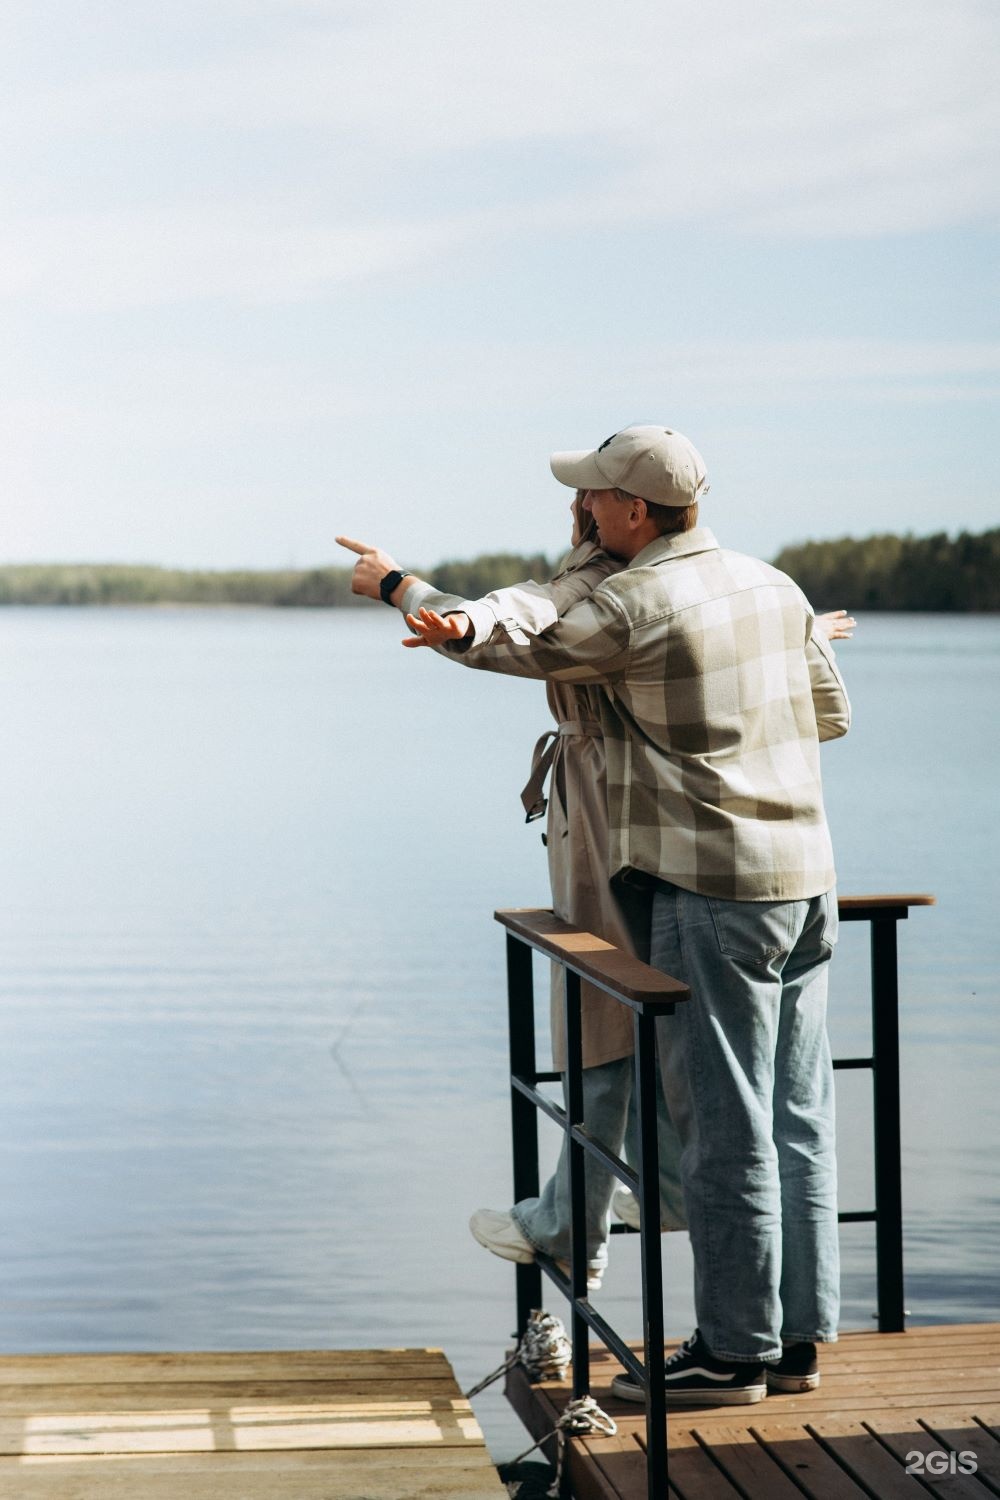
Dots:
(589, 643)
(513, 615)
(833, 708)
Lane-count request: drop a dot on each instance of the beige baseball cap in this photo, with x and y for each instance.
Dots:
(655, 463)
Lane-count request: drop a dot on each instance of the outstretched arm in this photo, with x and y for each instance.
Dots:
(508, 616)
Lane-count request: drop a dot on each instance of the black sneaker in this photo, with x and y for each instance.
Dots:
(797, 1370)
(694, 1377)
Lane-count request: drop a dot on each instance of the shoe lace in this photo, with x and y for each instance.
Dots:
(685, 1349)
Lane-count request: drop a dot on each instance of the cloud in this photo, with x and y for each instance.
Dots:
(160, 400)
(775, 119)
(240, 252)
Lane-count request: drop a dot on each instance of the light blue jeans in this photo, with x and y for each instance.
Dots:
(749, 1082)
(609, 1114)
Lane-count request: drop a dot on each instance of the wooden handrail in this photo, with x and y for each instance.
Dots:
(878, 903)
(621, 974)
(592, 958)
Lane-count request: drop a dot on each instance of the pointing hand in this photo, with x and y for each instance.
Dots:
(371, 567)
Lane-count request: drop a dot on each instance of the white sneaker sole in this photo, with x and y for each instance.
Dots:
(745, 1395)
(791, 1384)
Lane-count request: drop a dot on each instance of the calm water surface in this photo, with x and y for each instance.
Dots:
(252, 1003)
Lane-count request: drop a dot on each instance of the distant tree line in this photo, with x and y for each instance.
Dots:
(876, 573)
(317, 588)
(122, 583)
(899, 572)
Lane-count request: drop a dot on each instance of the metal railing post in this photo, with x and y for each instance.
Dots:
(648, 1170)
(580, 1332)
(524, 1117)
(888, 1156)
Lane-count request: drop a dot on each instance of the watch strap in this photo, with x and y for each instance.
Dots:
(389, 584)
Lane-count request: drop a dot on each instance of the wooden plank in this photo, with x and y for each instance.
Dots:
(37, 1400)
(961, 1433)
(896, 1345)
(417, 1474)
(818, 1475)
(259, 1427)
(797, 1406)
(877, 1363)
(803, 1409)
(742, 1459)
(290, 1364)
(991, 1422)
(588, 1480)
(926, 1384)
(619, 1463)
(929, 1335)
(692, 1473)
(905, 1437)
(866, 1460)
(604, 965)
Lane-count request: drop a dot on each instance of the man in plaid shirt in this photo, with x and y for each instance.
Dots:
(716, 694)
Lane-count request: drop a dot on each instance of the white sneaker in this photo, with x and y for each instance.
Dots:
(497, 1231)
(625, 1206)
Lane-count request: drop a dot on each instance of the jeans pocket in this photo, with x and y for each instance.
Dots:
(755, 932)
(831, 919)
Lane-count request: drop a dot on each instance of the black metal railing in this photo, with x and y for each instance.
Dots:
(884, 912)
(648, 993)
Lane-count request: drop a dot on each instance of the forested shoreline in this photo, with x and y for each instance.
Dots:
(933, 573)
(888, 572)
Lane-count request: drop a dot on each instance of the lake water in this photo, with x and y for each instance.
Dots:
(252, 1007)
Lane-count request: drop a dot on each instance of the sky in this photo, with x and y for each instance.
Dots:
(272, 270)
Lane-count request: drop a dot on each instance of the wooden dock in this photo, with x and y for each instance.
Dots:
(886, 1400)
(380, 1424)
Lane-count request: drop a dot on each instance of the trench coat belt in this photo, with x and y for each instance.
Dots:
(533, 796)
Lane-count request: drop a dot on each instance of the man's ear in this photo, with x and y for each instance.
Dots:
(637, 511)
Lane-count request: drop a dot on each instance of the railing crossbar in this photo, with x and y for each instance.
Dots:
(585, 1309)
(579, 1133)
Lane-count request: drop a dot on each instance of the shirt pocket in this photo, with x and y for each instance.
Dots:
(754, 932)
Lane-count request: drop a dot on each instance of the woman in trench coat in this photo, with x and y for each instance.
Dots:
(571, 757)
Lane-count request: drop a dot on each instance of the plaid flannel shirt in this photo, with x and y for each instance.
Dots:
(716, 695)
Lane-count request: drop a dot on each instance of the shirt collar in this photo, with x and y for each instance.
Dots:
(677, 544)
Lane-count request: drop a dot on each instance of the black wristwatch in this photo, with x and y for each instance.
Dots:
(390, 583)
